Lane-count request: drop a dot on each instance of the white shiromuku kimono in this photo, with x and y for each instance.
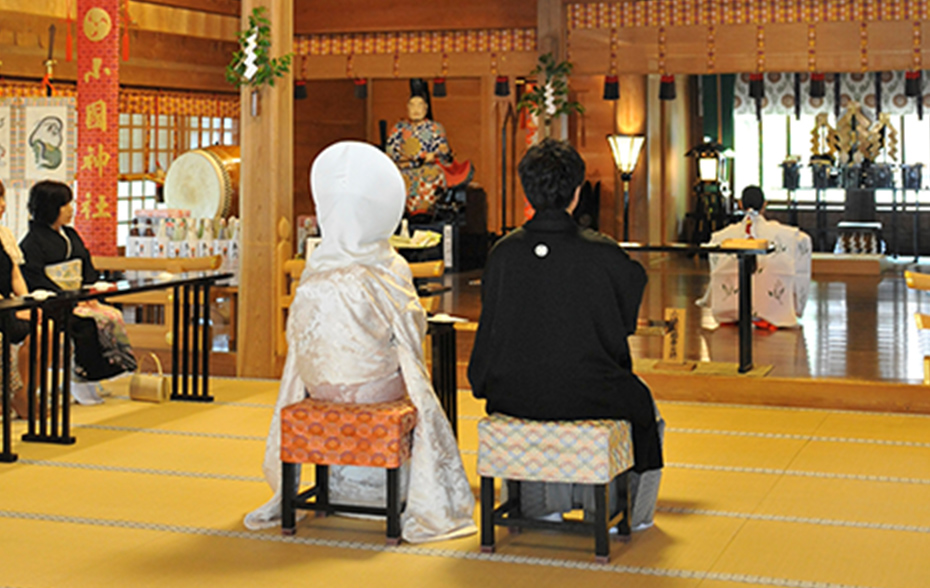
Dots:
(355, 334)
(782, 279)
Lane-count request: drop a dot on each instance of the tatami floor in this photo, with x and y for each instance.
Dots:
(153, 495)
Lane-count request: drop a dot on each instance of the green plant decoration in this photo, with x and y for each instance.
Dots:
(549, 97)
(251, 65)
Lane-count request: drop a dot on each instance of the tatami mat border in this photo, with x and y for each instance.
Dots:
(146, 471)
(428, 552)
(826, 381)
(799, 437)
(470, 452)
(792, 436)
(662, 509)
(789, 519)
(151, 431)
(754, 434)
(798, 473)
(468, 417)
(755, 407)
(217, 402)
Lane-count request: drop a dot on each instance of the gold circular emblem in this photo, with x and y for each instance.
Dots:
(97, 24)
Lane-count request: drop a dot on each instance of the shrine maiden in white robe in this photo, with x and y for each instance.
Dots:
(355, 334)
(782, 279)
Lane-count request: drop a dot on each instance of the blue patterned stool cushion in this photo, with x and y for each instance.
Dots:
(580, 452)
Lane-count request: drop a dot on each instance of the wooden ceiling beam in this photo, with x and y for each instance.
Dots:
(354, 16)
(225, 7)
(157, 59)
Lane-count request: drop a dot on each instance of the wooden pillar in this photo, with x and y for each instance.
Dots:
(266, 195)
(550, 31)
(550, 20)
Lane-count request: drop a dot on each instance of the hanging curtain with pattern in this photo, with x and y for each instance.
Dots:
(858, 87)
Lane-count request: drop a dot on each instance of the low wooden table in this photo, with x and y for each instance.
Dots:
(747, 266)
(190, 351)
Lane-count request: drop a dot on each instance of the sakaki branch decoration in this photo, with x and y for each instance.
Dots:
(549, 96)
(252, 65)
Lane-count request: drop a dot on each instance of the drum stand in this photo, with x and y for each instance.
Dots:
(916, 223)
(792, 209)
(894, 222)
(821, 221)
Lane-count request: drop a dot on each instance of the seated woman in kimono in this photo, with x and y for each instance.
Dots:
(780, 284)
(54, 250)
(12, 284)
(355, 334)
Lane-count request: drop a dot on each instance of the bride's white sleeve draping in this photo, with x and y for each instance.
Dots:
(354, 328)
(292, 390)
(440, 503)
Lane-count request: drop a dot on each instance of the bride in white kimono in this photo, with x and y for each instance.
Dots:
(782, 280)
(355, 334)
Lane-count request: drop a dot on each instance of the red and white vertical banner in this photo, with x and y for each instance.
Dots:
(98, 124)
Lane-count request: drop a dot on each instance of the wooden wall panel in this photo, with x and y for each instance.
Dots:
(837, 49)
(345, 16)
(51, 8)
(193, 23)
(678, 197)
(588, 133)
(196, 18)
(227, 7)
(493, 113)
(330, 113)
(155, 46)
(163, 60)
(669, 180)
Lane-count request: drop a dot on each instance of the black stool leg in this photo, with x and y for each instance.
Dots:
(516, 509)
(393, 506)
(625, 503)
(288, 496)
(322, 490)
(601, 544)
(487, 514)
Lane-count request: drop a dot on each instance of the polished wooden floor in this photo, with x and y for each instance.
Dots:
(853, 327)
(857, 346)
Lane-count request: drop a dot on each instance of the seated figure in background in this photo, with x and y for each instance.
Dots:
(12, 284)
(56, 259)
(418, 145)
(781, 281)
(558, 303)
(355, 334)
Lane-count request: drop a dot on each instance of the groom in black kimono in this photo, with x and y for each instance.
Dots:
(558, 303)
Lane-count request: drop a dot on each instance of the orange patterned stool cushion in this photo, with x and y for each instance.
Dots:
(330, 433)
